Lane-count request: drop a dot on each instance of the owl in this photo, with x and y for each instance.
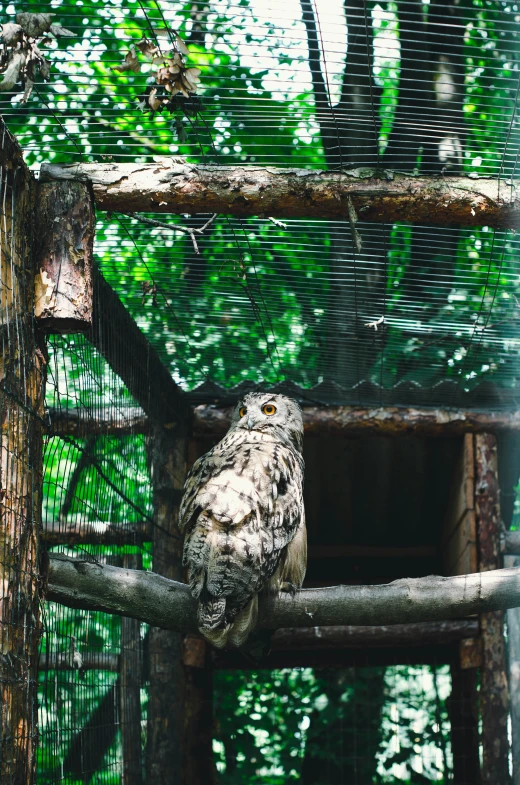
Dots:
(243, 517)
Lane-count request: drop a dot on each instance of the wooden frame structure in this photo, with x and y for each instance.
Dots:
(181, 666)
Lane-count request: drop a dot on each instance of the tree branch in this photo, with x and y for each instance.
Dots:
(168, 604)
(170, 187)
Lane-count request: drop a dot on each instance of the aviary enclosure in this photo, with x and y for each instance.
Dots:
(342, 176)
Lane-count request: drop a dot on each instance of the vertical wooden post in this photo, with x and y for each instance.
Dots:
(463, 714)
(513, 664)
(199, 766)
(130, 671)
(167, 456)
(22, 375)
(494, 696)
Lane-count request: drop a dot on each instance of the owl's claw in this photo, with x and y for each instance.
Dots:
(288, 587)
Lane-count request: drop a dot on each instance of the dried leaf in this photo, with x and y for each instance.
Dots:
(11, 33)
(130, 63)
(12, 72)
(35, 24)
(153, 102)
(191, 77)
(147, 48)
(45, 69)
(29, 84)
(181, 46)
(59, 30)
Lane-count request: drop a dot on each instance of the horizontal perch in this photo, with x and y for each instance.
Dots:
(170, 187)
(97, 533)
(318, 420)
(168, 604)
(436, 633)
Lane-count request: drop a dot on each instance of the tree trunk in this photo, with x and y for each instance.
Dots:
(167, 458)
(22, 376)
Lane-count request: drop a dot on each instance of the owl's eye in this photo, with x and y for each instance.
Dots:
(242, 411)
(269, 408)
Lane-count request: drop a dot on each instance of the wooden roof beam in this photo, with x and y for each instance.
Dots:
(212, 421)
(377, 195)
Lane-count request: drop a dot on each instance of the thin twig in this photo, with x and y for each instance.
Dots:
(176, 227)
(352, 219)
(277, 222)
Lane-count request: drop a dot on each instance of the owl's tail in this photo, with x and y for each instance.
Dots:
(232, 635)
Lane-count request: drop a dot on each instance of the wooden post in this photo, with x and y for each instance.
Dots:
(513, 664)
(167, 457)
(199, 767)
(494, 697)
(64, 241)
(130, 674)
(22, 374)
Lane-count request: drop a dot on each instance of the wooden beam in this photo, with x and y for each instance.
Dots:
(458, 538)
(91, 422)
(513, 665)
(169, 187)
(168, 604)
(130, 355)
(349, 637)
(64, 242)
(130, 673)
(342, 421)
(372, 421)
(166, 702)
(494, 694)
(22, 384)
(96, 533)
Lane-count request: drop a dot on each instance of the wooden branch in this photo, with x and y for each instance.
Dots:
(88, 422)
(96, 533)
(384, 421)
(169, 187)
(168, 604)
(130, 355)
(512, 543)
(64, 241)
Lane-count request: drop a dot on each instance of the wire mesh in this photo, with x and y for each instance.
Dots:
(421, 315)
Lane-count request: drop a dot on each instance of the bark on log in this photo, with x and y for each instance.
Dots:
(96, 533)
(169, 187)
(168, 604)
(22, 374)
(88, 422)
(126, 349)
(494, 694)
(384, 421)
(165, 739)
(342, 421)
(64, 241)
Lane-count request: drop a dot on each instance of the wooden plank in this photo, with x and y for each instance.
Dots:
(198, 764)
(458, 537)
(64, 242)
(494, 694)
(462, 706)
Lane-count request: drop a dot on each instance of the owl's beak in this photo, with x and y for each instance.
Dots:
(250, 424)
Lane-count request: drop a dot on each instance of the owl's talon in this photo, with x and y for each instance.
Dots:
(288, 587)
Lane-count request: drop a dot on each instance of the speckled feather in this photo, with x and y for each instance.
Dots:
(243, 516)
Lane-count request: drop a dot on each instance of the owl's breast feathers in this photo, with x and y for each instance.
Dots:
(242, 506)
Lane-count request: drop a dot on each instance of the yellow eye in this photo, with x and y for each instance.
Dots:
(242, 411)
(269, 408)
